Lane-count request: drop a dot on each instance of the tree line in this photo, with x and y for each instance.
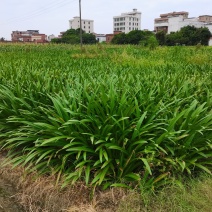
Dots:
(188, 35)
(72, 36)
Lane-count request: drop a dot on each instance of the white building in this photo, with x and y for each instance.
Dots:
(173, 22)
(100, 38)
(87, 25)
(50, 37)
(127, 22)
(209, 26)
(210, 42)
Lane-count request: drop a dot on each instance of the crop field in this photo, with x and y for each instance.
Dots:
(111, 116)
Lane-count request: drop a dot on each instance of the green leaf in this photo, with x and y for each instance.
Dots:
(87, 174)
(120, 185)
(147, 165)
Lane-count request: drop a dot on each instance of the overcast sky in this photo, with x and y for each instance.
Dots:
(51, 16)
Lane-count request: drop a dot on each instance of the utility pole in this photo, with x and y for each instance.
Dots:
(80, 24)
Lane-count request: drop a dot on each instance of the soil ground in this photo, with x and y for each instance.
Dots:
(7, 201)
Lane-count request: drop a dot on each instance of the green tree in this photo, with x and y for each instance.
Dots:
(2, 39)
(152, 42)
(72, 36)
(189, 35)
(203, 35)
(119, 39)
(133, 37)
(56, 40)
(88, 38)
(161, 37)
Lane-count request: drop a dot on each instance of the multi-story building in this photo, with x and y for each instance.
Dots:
(87, 25)
(28, 36)
(127, 22)
(205, 18)
(172, 22)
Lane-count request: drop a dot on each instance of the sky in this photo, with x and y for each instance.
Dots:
(52, 16)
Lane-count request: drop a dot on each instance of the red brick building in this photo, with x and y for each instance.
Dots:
(109, 37)
(28, 36)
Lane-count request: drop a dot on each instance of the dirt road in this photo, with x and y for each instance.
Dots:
(7, 201)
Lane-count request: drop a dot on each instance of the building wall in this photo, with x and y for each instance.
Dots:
(109, 37)
(205, 18)
(210, 42)
(173, 22)
(127, 22)
(87, 25)
(39, 38)
(50, 37)
(176, 23)
(100, 38)
(28, 36)
(209, 26)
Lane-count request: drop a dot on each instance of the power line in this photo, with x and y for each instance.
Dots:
(39, 12)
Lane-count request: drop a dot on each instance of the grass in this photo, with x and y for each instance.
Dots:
(193, 195)
(111, 117)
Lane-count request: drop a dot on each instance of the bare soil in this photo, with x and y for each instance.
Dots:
(7, 200)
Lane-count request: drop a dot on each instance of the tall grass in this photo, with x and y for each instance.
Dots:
(113, 116)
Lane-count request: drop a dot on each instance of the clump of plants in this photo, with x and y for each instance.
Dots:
(102, 122)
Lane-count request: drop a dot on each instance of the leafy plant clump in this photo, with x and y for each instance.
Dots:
(112, 123)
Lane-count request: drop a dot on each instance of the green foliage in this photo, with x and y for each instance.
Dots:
(131, 117)
(133, 37)
(120, 39)
(152, 42)
(88, 38)
(72, 36)
(189, 35)
(161, 37)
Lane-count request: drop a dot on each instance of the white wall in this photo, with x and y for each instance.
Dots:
(101, 38)
(87, 25)
(209, 26)
(132, 21)
(210, 42)
(174, 24)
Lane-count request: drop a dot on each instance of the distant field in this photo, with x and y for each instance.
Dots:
(116, 116)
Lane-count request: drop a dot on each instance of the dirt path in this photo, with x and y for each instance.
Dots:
(7, 192)
(7, 201)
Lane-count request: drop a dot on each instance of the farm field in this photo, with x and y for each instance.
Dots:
(111, 116)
